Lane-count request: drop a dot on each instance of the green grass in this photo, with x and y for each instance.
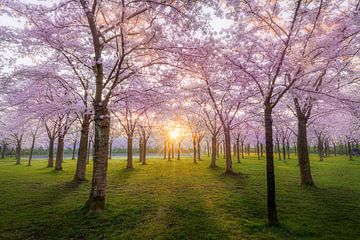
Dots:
(181, 200)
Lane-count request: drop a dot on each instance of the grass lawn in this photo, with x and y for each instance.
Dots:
(181, 200)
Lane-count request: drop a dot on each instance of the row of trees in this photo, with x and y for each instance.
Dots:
(280, 69)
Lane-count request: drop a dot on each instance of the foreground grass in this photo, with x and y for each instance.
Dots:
(181, 200)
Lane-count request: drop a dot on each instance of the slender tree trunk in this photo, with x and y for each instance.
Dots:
(129, 152)
(144, 151)
(213, 152)
(178, 150)
(208, 148)
(218, 149)
(3, 150)
(248, 148)
(169, 150)
(303, 154)
(110, 149)
(242, 149)
(270, 173)
(51, 152)
(18, 151)
(258, 150)
(59, 153)
(350, 151)
(295, 150)
(320, 148)
(278, 149)
(31, 149)
(74, 150)
(261, 150)
(194, 148)
(198, 150)
(80, 173)
(141, 149)
(228, 169)
(284, 149)
(238, 150)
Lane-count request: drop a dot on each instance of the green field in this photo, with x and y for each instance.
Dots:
(181, 200)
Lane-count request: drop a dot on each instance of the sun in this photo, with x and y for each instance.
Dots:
(174, 133)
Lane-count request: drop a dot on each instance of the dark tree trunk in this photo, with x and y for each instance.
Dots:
(242, 149)
(228, 169)
(238, 150)
(208, 148)
(248, 148)
(110, 149)
(320, 148)
(129, 152)
(198, 150)
(295, 150)
(74, 150)
(51, 152)
(59, 153)
(178, 150)
(194, 148)
(258, 150)
(141, 149)
(261, 150)
(213, 152)
(284, 149)
(144, 151)
(3, 150)
(350, 151)
(18, 151)
(270, 173)
(303, 154)
(288, 149)
(31, 149)
(80, 173)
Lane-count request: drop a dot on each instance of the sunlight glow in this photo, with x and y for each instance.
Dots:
(174, 133)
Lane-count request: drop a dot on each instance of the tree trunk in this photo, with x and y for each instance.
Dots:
(194, 146)
(51, 152)
(73, 151)
(320, 148)
(350, 151)
(303, 154)
(284, 149)
(258, 150)
(84, 147)
(144, 151)
(129, 152)
(96, 201)
(88, 152)
(3, 150)
(59, 153)
(110, 149)
(213, 152)
(198, 150)
(141, 149)
(261, 150)
(228, 169)
(208, 148)
(288, 149)
(238, 150)
(242, 149)
(270, 173)
(278, 150)
(178, 150)
(18, 151)
(31, 149)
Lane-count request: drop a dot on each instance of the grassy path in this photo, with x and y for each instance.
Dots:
(181, 200)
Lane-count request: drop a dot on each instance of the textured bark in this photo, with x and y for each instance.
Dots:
(228, 160)
(31, 149)
(51, 152)
(96, 201)
(270, 173)
(303, 154)
(80, 173)
(213, 152)
(59, 153)
(261, 150)
(129, 152)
